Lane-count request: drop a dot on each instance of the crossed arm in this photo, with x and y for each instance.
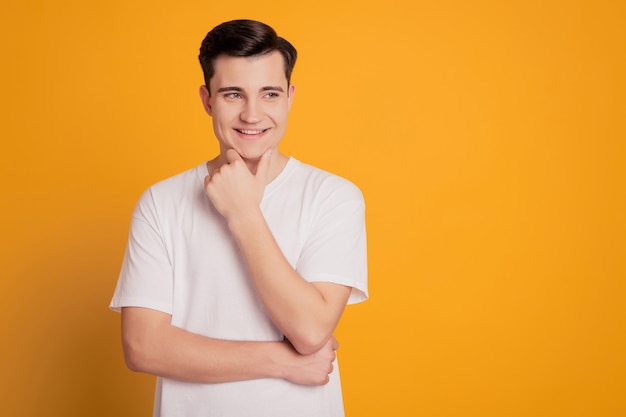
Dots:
(152, 345)
(306, 313)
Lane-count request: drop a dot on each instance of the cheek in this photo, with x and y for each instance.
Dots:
(219, 122)
(279, 113)
(225, 110)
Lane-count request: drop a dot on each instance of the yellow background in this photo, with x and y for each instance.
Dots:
(488, 138)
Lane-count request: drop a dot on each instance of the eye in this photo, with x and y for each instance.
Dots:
(232, 96)
(271, 95)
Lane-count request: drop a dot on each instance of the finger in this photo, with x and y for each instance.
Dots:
(263, 168)
(232, 156)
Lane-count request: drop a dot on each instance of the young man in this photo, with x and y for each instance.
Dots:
(237, 271)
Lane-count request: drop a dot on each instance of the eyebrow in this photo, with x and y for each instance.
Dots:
(273, 88)
(267, 88)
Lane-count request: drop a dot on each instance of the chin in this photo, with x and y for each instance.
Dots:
(252, 154)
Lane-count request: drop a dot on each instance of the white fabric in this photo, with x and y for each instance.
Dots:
(181, 259)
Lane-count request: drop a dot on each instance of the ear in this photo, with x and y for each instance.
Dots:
(205, 97)
(292, 91)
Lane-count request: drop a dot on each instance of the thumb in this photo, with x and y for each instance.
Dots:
(263, 168)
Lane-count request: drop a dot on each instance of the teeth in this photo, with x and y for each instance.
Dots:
(250, 132)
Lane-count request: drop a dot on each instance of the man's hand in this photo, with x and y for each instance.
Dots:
(313, 369)
(233, 189)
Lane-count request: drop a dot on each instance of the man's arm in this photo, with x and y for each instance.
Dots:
(306, 313)
(152, 345)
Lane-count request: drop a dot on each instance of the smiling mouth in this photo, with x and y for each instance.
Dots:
(252, 131)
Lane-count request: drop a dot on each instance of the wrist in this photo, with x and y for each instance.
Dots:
(244, 222)
(279, 358)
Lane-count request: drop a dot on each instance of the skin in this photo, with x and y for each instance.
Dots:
(249, 105)
(152, 345)
(250, 95)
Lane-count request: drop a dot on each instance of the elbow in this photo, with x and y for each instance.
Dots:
(142, 338)
(307, 343)
(135, 356)
(133, 363)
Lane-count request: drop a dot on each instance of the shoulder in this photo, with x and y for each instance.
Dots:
(325, 184)
(173, 191)
(180, 182)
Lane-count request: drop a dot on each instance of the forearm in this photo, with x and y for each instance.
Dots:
(156, 347)
(305, 314)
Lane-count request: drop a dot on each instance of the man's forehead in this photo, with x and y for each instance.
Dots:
(258, 70)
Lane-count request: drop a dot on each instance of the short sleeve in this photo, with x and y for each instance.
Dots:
(335, 250)
(146, 277)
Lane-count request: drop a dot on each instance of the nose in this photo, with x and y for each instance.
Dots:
(251, 112)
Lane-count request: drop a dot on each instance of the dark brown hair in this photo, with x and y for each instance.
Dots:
(244, 38)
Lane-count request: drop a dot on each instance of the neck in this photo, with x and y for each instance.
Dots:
(279, 160)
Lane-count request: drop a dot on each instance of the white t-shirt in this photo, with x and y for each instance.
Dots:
(182, 259)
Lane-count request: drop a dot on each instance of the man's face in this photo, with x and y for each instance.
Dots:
(249, 103)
